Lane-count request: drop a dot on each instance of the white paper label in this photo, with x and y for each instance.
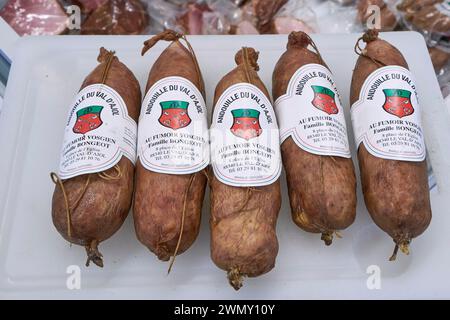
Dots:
(245, 142)
(98, 132)
(387, 116)
(173, 133)
(311, 113)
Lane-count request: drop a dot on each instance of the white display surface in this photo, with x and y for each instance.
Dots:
(46, 74)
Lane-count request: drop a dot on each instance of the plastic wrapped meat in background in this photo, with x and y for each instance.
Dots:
(35, 17)
(434, 18)
(429, 17)
(260, 13)
(87, 6)
(334, 18)
(163, 15)
(344, 2)
(412, 6)
(264, 11)
(215, 17)
(294, 16)
(425, 15)
(245, 27)
(223, 15)
(209, 17)
(117, 17)
(191, 21)
(439, 58)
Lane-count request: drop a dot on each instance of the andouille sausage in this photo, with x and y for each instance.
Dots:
(243, 219)
(90, 208)
(395, 191)
(322, 188)
(167, 207)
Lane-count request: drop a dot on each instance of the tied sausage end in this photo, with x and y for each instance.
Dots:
(298, 39)
(235, 278)
(403, 245)
(93, 254)
(247, 56)
(167, 35)
(327, 238)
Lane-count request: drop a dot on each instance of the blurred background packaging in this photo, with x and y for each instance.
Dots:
(215, 17)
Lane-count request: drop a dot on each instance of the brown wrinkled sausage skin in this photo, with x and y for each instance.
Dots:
(322, 189)
(159, 197)
(243, 235)
(395, 192)
(105, 204)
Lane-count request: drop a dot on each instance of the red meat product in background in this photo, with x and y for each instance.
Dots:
(117, 17)
(264, 11)
(246, 27)
(412, 6)
(192, 20)
(35, 17)
(285, 25)
(87, 6)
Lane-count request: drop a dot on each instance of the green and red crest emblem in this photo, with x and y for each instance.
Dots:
(398, 102)
(246, 123)
(174, 114)
(324, 100)
(88, 119)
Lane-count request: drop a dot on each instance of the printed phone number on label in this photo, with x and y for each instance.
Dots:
(320, 135)
(399, 140)
(84, 155)
(174, 153)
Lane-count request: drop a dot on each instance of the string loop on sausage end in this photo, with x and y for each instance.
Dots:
(369, 36)
(298, 39)
(167, 35)
(171, 35)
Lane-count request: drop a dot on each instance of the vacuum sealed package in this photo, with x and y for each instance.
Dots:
(117, 17)
(429, 17)
(258, 16)
(35, 17)
(294, 16)
(209, 17)
(163, 15)
(334, 18)
(87, 6)
(439, 58)
(344, 2)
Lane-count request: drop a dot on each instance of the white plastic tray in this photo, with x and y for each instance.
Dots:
(48, 71)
